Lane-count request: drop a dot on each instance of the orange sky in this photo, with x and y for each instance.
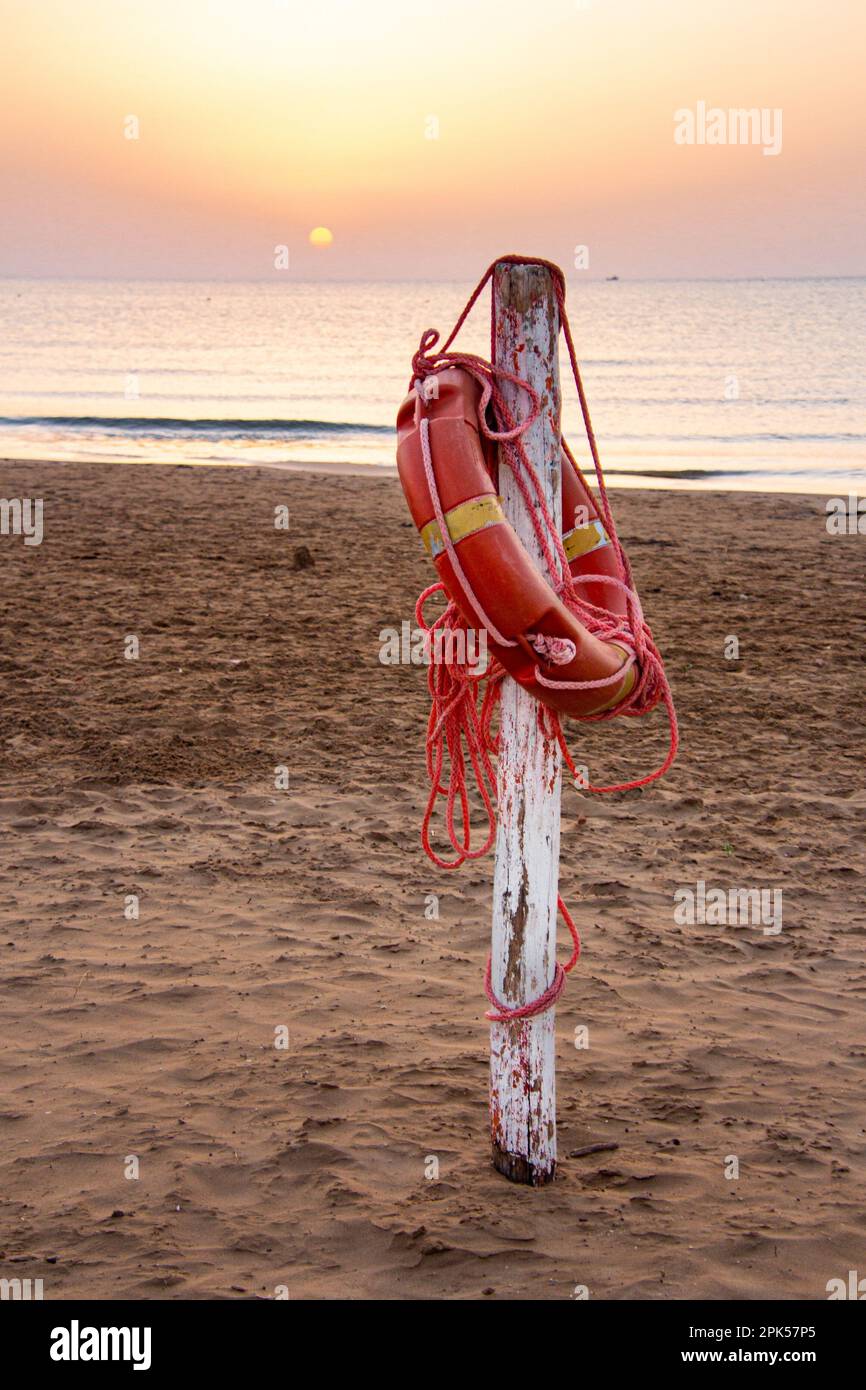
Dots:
(261, 119)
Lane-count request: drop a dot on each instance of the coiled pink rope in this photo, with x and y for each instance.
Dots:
(463, 697)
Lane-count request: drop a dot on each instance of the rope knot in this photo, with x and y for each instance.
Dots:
(559, 651)
(426, 389)
(423, 360)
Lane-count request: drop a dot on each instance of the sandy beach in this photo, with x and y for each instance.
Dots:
(154, 1143)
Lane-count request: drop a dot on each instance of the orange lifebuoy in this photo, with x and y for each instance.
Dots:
(446, 469)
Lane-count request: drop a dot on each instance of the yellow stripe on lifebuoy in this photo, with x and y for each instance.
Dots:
(583, 539)
(471, 516)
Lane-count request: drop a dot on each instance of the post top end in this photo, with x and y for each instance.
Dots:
(522, 286)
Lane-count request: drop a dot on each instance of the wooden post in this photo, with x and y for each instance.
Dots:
(526, 873)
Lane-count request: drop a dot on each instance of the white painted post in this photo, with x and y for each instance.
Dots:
(526, 873)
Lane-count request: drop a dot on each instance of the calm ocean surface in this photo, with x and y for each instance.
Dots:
(737, 384)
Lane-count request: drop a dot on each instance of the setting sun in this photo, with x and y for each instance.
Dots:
(321, 236)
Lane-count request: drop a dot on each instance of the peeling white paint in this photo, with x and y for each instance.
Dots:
(526, 873)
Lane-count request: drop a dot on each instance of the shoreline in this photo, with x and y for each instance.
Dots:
(334, 469)
(671, 480)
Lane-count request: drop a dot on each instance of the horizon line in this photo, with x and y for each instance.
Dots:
(415, 280)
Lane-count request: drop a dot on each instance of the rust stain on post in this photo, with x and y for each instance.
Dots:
(518, 914)
(515, 910)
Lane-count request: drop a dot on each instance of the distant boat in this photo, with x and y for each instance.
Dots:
(612, 277)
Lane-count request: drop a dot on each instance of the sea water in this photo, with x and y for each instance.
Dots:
(755, 384)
